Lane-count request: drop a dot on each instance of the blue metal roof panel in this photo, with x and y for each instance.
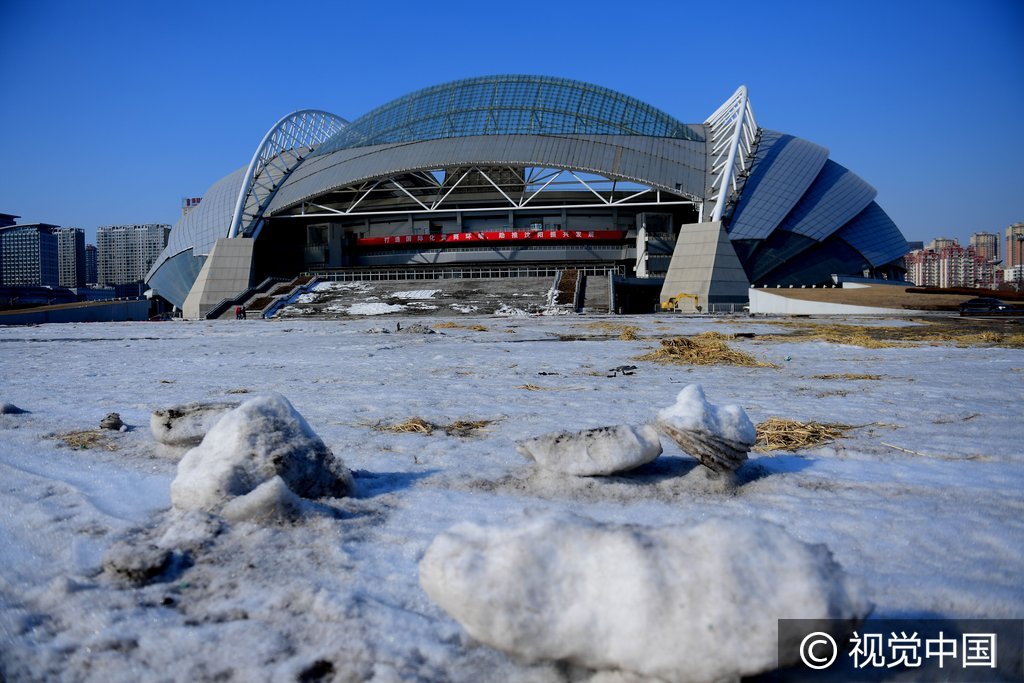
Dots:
(874, 235)
(835, 197)
(783, 169)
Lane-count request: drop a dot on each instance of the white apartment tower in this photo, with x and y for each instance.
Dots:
(125, 253)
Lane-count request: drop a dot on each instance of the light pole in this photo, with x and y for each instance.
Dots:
(993, 262)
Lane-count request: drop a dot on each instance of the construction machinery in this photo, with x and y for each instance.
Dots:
(672, 304)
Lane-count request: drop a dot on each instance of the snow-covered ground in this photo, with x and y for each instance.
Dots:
(922, 506)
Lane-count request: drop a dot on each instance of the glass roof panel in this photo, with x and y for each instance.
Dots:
(508, 105)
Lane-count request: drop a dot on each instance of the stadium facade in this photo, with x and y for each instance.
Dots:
(507, 172)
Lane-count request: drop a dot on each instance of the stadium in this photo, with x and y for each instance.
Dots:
(509, 176)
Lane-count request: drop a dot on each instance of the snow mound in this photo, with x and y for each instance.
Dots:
(570, 589)
(719, 436)
(10, 409)
(187, 424)
(374, 309)
(590, 452)
(246, 450)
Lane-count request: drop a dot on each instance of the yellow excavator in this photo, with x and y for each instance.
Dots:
(673, 302)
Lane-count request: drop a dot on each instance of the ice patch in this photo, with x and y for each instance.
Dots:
(675, 603)
(604, 450)
(262, 440)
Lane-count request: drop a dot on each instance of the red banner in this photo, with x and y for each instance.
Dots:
(499, 236)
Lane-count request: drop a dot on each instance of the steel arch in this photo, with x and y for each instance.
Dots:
(280, 152)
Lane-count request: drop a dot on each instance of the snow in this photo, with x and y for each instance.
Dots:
(291, 587)
(506, 311)
(691, 411)
(677, 603)
(416, 294)
(604, 450)
(373, 309)
(186, 425)
(262, 452)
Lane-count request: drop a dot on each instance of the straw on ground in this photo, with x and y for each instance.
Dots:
(780, 434)
(708, 348)
(418, 425)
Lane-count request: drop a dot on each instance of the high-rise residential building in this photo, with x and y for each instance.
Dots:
(950, 266)
(28, 255)
(986, 245)
(71, 256)
(90, 264)
(922, 267)
(125, 253)
(1014, 254)
(940, 243)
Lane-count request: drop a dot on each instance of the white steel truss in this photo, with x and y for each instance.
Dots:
(732, 138)
(282, 149)
(516, 188)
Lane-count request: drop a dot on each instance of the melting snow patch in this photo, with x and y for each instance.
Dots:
(570, 589)
(510, 312)
(262, 451)
(462, 308)
(187, 424)
(604, 450)
(416, 294)
(358, 286)
(374, 309)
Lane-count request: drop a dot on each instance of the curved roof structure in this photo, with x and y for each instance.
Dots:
(508, 105)
(790, 212)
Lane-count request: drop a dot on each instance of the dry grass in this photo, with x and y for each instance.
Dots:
(237, 391)
(878, 337)
(624, 332)
(708, 348)
(458, 326)
(417, 425)
(87, 438)
(413, 424)
(847, 375)
(779, 434)
(629, 333)
(530, 387)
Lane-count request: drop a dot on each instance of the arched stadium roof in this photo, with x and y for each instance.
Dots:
(790, 212)
(508, 105)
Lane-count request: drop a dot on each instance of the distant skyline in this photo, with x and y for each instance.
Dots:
(115, 111)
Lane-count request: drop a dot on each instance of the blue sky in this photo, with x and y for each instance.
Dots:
(111, 112)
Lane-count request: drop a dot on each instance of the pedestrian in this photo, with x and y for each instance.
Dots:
(243, 312)
(238, 312)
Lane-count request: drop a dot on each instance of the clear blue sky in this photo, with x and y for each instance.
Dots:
(111, 112)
